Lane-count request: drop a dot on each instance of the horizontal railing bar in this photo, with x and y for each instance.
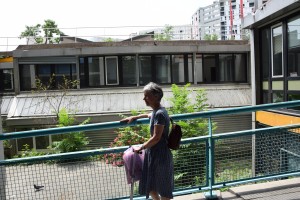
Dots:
(118, 124)
(68, 129)
(69, 155)
(254, 131)
(227, 111)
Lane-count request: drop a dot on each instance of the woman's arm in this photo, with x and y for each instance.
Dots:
(132, 118)
(157, 133)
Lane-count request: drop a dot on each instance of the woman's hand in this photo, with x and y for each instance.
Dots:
(138, 149)
(128, 119)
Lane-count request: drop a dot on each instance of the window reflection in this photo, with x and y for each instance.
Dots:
(163, 71)
(6, 79)
(178, 69)
(129, 70)
(294, 47)
(277, 51)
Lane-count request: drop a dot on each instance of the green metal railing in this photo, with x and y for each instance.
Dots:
(202, 163)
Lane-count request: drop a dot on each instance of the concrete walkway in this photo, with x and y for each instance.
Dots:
(288, 189)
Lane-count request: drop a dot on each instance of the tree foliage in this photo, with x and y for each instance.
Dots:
(51, 33)
(55, 100)
(210, 37)
(166, 35)
(75, 141)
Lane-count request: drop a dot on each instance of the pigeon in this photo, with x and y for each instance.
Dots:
(38, 187)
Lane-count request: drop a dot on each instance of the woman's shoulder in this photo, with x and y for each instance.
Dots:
(162, 111)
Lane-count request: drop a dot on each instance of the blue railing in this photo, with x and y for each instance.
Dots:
(201, 164)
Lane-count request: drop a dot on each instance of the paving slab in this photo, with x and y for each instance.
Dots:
(287, 189)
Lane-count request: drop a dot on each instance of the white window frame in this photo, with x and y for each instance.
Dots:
(106, 80)
(272, 56)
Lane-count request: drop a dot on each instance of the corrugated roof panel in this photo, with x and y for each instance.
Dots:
(84, 102)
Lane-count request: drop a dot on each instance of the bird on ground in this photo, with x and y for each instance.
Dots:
(38, 187)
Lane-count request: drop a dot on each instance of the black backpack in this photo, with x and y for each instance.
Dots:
(174, 136)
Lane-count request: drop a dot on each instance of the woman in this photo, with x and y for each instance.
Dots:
(158, 174)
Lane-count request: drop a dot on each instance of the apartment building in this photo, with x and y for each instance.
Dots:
(223, 19)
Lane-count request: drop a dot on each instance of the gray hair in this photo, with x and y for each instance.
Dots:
(155, 89)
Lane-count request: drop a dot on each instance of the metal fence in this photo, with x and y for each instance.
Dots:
(201, 164)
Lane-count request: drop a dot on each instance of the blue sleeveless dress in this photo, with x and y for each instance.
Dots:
(158, 170)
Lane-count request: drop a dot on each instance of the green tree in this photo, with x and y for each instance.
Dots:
(50, 30)
(52, 33)
(32, 32)
(166, 35)
(75, 141)
(55, 100)
(210, 37)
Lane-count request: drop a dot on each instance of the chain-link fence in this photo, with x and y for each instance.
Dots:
(93, 175)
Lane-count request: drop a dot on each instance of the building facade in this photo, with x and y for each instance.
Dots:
(275, 62)
(112, 75)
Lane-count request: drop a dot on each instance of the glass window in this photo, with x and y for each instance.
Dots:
(293, 97)
(277, 51)
(111, 67)
(178, 68)
(94, 71)
(163, 71)
(190, 69)
(294, 47)
(24, 141)
(129, 70)
(6, 79)
(265, 52)
(225, 68)
(145, 69)
(199, 70)
(240, 67)
(209, 68)
(61, 71)
(277, 97)
(42, 142)
(25, 78)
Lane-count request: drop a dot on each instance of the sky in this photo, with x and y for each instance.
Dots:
(72, 16)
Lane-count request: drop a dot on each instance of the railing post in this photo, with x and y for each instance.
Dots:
(2, 168)
(210, 194)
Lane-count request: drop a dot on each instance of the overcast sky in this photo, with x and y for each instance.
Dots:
(68, 15)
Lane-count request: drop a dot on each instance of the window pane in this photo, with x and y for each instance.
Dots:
(293, 97)
(61, 71)
(277, 51)
(199, 77)
(25, 79)
(178, 68)
(129, 70)
(265, 52)
(294, 47)
(190, 69)
(82, 73)
(94, 71)
(145, 69)
(163, 72)
(277, 97)
(25, 141)
(209, 65)
(225, 67)
(42, 142)
(111, 64)
(240, 70)
(6, 79)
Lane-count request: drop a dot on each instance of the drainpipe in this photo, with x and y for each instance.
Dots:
(253, 91)
(2, 169)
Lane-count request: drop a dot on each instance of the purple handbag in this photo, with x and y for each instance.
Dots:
(133, 164)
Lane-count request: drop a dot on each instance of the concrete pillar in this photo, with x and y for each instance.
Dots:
(16, 75)
(253, 91)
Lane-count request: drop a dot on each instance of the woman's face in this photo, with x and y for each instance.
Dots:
(150, 99)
